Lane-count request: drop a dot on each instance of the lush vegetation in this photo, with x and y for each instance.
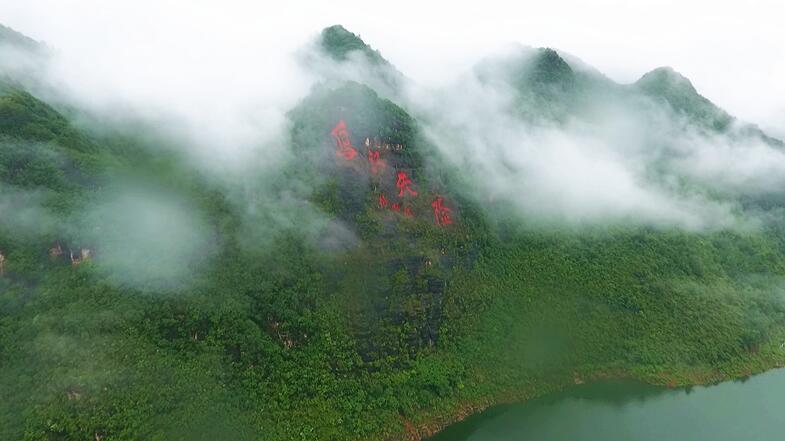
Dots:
(312, 335)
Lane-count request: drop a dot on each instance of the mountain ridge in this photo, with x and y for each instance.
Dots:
(11, 37)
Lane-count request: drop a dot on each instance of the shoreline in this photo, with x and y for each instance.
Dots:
(668, 378)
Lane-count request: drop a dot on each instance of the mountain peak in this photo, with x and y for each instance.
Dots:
(338, 42)
(550, 56)
(678, 91)
(337, 35)
(665, 79)
(548, 67)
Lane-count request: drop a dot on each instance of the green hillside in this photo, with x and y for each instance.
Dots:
(355, 319)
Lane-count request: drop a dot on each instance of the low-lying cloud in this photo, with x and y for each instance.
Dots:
(147, 239)
(225, 98)
(634, 161)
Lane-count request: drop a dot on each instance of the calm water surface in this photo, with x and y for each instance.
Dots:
(749, 410)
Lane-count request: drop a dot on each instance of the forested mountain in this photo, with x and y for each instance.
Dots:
(142, 298)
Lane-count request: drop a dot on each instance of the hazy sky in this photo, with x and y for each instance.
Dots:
(734, 52)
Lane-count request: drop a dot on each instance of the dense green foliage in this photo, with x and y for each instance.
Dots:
(303, 336)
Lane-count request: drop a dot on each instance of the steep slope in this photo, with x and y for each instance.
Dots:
(10, 37)
(24, 116)
(413, 229)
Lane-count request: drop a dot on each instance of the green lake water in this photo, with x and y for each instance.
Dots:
(746, 410)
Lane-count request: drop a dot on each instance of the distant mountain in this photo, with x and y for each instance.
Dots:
(554, 86)
(11, 37)
(678, 92)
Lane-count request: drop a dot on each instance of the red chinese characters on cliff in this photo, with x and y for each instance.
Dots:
(341, 135)
(404, 184)
(441, 213)
(375, 160)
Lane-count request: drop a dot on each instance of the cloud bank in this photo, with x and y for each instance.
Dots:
(220, 81)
